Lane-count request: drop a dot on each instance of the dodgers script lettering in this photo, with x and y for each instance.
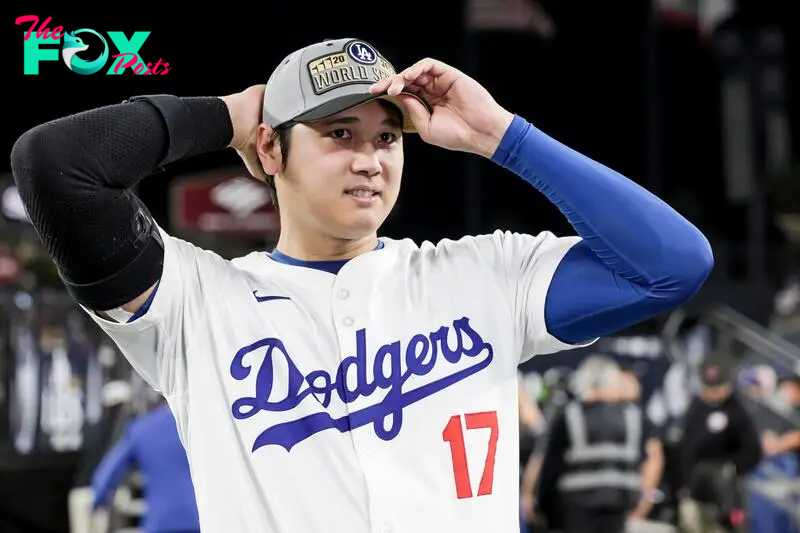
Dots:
(421, 354)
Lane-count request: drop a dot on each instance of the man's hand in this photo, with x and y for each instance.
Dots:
(245, 110)
(465, 117)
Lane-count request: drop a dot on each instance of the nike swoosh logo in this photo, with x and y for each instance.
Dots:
(269, 298)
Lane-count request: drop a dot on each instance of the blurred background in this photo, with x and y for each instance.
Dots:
(696, 100)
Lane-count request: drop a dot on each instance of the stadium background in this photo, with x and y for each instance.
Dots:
(698, 108)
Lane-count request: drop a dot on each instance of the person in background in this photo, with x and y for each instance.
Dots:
(152, 445)
(789, 441)
(590, 478)
(720, 445)
(758, 382)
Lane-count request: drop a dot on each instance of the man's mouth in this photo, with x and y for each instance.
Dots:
(362, 193)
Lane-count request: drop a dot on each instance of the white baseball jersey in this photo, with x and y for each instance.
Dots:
(380, 399)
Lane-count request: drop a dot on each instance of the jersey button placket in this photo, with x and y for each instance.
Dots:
(346, 310)
(344, 294)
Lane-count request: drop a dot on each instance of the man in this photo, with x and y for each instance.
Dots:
(343, 379)
(789, 441)
(652, 451)
(590, 477)
(720, 445)
(151, 445)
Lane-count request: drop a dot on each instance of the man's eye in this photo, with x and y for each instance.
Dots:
(340, 134)
(388, 137)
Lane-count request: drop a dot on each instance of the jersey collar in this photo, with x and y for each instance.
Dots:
(332, 267)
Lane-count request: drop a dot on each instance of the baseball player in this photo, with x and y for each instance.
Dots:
(345, 381)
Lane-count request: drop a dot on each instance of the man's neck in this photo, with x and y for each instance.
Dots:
(318, 247)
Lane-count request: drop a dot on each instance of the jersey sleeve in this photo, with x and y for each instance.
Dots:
(527, 265)
(157, 342)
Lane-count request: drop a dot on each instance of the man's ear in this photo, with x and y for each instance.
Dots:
(268, 150)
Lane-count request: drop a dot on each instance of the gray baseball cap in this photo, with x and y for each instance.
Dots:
(326, 78)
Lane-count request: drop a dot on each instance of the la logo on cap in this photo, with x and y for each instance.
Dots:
(361, 52)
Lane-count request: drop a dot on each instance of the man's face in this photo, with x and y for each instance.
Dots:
(715, 395)
(343, 173)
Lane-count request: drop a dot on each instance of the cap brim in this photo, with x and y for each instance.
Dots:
(337, 105)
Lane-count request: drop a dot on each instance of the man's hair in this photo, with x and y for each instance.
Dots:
(595, 372)
(282, 134)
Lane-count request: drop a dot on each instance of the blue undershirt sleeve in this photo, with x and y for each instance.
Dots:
(638, 258)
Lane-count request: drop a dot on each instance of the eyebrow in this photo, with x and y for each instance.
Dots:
(394, 123)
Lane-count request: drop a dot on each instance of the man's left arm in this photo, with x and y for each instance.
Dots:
(651, 470)
(636, 257)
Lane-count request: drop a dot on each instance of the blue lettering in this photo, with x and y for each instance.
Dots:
(415, 362)
(420, 357)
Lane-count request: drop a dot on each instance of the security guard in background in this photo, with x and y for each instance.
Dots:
(590, 478)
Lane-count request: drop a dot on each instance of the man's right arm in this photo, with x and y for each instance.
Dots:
(146, 289)
(74, 176)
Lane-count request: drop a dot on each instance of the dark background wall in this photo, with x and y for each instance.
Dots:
(588, 87)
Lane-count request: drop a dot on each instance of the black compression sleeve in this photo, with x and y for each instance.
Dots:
(74, 176)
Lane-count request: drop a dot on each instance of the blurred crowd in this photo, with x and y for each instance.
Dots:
(629, 438)
(619, 436)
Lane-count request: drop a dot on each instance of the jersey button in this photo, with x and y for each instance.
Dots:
(343, 293)
(348, 321)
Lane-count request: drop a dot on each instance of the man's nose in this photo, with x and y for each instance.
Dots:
(366, 161)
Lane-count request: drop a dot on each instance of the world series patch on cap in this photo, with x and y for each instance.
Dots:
(326, 78)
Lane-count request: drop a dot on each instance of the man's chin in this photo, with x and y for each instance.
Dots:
(359, 225)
